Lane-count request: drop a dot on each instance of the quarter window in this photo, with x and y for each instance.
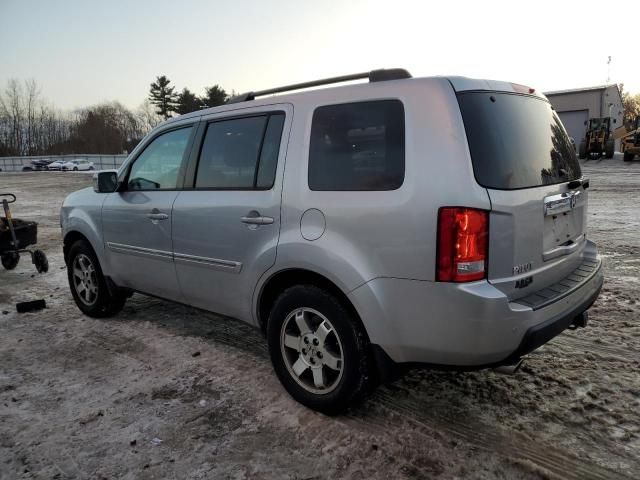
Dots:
(240, 153)
(158, 165)
(357, 146)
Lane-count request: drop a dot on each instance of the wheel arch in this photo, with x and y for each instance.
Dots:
(283, 279)
(72, 237)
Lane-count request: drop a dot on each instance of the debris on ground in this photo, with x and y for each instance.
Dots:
(30, 306)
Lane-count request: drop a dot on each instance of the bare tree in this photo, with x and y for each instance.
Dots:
(148, 117)
(31, 98)
(12, 106)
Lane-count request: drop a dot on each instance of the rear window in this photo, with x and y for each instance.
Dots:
(516, 141)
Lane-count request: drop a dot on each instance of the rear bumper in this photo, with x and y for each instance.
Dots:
(464, 325)
(538, 335)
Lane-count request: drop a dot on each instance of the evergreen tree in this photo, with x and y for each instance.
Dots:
(214, 96)
(188, 102)
(163, 96)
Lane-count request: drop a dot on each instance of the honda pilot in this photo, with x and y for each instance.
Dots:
(394, 222)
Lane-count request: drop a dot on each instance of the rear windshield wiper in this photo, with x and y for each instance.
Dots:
(584, 182)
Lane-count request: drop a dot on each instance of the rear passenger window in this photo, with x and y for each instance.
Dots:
(270, 151)
(240, 153)
(357, 146)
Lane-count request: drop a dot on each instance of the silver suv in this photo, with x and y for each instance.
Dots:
(427, 221)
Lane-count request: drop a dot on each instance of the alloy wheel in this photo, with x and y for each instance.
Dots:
(85, 280)
(312, 350)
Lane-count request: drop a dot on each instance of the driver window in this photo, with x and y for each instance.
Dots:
(157, 166)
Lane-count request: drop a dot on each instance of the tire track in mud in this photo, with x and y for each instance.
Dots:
(513, 445)
(606, 350)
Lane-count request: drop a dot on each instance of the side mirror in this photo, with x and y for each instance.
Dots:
(105, 181)
(585, 122)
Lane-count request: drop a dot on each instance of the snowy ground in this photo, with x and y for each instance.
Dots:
(165, 391)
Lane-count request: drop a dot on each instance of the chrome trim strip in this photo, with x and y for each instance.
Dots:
(140, 251)
(562, 202)
(215, 263)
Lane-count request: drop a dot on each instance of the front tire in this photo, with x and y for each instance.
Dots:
(88, 285)
(628, 156)
(318, 349)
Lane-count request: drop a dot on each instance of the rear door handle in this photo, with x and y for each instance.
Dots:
(156, 214)
(254, 218)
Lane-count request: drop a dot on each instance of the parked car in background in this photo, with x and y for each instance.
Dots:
(41, 163)
(79, 164)
(57, 165)
(434, 221)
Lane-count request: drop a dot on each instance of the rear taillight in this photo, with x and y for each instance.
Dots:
(463, 235)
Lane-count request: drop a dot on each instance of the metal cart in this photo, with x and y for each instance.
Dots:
(15, 236)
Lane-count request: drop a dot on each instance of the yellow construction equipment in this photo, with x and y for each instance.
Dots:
(598, 139)
(629, 140)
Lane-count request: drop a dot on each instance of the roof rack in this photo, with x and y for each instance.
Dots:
(373, 76)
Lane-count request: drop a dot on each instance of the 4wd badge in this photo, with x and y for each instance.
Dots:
(524, 282)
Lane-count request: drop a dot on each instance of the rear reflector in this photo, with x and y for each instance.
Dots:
(462, 244)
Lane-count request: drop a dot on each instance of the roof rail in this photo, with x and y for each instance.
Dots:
(373, 76)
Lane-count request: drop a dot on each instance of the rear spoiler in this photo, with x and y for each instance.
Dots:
(465, 84)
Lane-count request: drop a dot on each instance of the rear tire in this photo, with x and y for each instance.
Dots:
(88, 285)
(75, 169)
(10, 260)
(582, 150)
(628, 156)
(311, 332)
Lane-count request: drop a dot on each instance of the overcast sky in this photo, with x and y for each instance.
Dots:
(85, 52)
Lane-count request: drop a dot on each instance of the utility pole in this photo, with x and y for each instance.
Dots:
(609, 70)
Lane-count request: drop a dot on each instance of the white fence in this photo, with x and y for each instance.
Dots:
(100, 162)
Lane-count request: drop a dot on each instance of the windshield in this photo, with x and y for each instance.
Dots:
(597, 123)
(516, 141)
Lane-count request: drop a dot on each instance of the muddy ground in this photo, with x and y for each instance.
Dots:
(165, 391)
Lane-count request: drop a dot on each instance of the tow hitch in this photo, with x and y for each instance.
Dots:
(509, 369)
(580, 321)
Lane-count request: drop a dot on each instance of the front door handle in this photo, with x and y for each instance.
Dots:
(254, 218)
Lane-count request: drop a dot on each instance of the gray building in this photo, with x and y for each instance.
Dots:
(578, 105)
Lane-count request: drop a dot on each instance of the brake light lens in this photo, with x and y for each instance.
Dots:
(462, 249)
(522, 88)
